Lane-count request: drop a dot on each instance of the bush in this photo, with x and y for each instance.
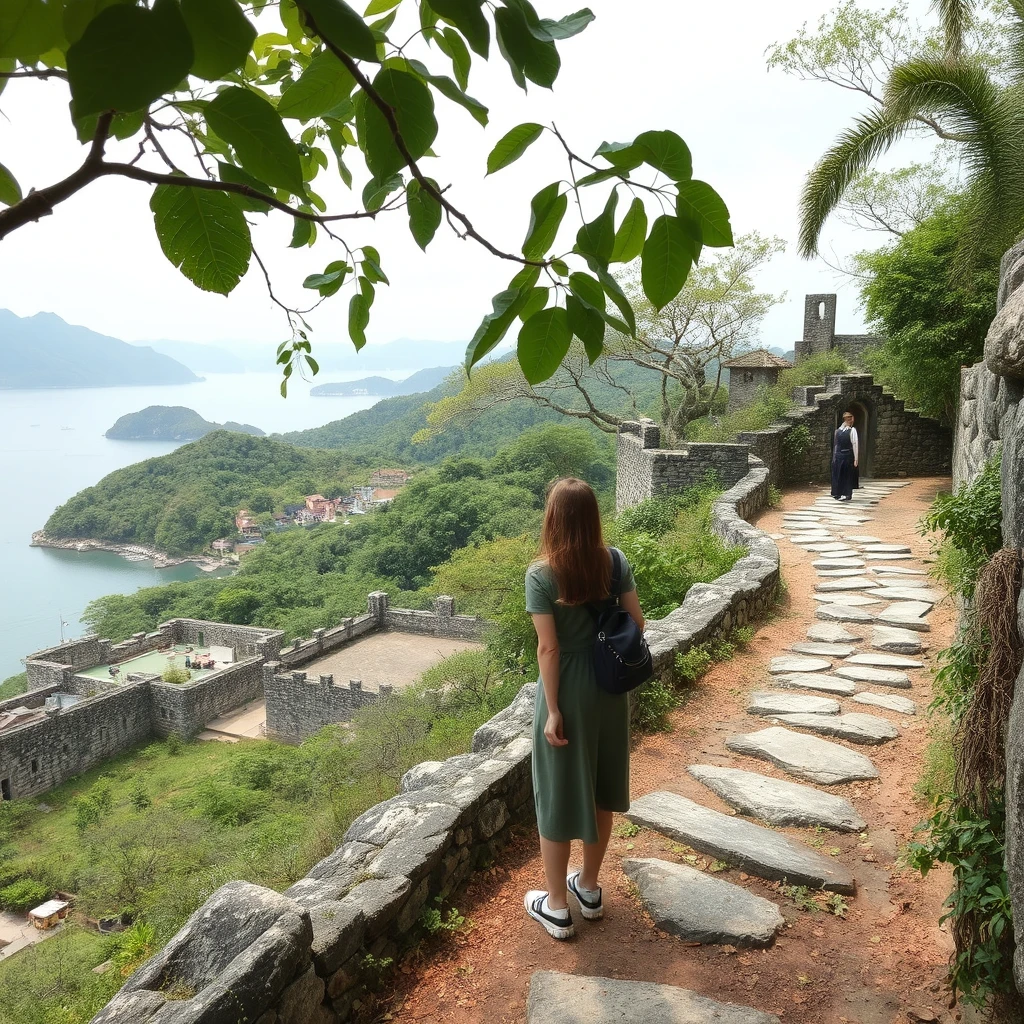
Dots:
(176, 675)
(23, 895)
(692, 664)
(795, 443)
(139, 798)
(174, 744)
(87, 813)
(229, 805)
(652, 704)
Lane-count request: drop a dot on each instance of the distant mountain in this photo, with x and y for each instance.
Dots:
(198, 358)
(382, 387)
(171, 423)
(43, 351)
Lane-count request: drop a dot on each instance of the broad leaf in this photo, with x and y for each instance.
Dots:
(151, 50)
(536, 299)
(666, 261)
(358, 319)
(413, 105)
(468, 17)
(29, 28)
(452, 43)
(78, 14)
(598, 237)
(203, 234)
(380, 7)
(629, 239)
(547, 208)
(371, 271)
(424, 213)
(340, 25)
(543, 343)
(700, 202)
(534, 58)
(10, 190)
(564, 28)
(588, 290)
(375, 192)
(318, 90)
(229, 172)
(666, 152)
(504, 309)
(587, 325)
(250, 124)
(615, 293)
(303, 232)
(221, 36)
(603, 175)
(447, 87)
(512, 145)
(623, 155)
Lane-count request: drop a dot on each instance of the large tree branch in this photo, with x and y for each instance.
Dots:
(31, 73)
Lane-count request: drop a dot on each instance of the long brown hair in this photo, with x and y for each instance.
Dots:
(572, 545)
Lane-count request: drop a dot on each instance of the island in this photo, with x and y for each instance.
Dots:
(171, 423)
(382, 387)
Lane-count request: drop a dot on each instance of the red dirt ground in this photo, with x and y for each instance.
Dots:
(884, 962)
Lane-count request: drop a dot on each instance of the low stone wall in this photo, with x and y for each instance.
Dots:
(325, 640)
(186, 708)
(30, 699)
(298, 706)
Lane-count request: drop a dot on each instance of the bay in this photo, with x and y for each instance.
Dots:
(52, 445)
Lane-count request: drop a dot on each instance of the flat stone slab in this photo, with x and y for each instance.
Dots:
(840, 573)
(885, 549)
(831, 612)
(794, 663)
(557, 998)
(898, 570)
(778, 802)
(749, 847)
(701, 908)
(854, 583)
(862, 538)
(889, 701)
(833, 633)
(824, 650)
(770, 702)
(919, 594)
(816, 681)
(885, 676)
(896, 640)
(838, 563)
(875, 556)
(908, 615)
(896, 583)
(807, 757)
(830, 546)
(850, 600)
(853, 726)
(884, 661)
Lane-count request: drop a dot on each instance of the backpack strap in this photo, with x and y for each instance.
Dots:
(616, 582)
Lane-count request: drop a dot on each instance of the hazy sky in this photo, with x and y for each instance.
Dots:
(697, 68)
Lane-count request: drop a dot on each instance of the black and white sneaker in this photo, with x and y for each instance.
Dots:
(591, 904)
(557, 923)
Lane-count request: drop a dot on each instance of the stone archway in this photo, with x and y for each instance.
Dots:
(864, 421)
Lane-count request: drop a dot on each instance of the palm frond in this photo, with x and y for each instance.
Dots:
(1015, 45)
(956, 17)
(851, 154)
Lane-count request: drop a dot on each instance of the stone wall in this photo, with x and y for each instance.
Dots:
(746, 381)
(325, 640)
(186, 708)
(820, 333)
(298, 706)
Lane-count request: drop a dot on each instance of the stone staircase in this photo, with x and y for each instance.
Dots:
(872, 609)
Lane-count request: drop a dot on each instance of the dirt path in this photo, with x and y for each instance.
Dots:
(883, 962)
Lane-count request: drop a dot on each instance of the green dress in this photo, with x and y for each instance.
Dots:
(592, 770)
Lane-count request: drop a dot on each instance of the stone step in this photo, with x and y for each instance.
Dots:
(895, 583)
(816, 681)
(862, 538)
(833, 633)
(807, 757)
(898, 570)
(838, 563)
(854, 726)
(838, 574)
(882, 676)
(889, 701)
(831, 547)
(906, 615)
(849, 600)
(831, 612)
(557, 998)
(777, 801)
(881, 660)
(700, 908)
(749, 847)
(787, 663)
(771, 702)
(896, 640)
(854, 583)
(885, 549)
(917, 595)
(825, 650)
(875, 556)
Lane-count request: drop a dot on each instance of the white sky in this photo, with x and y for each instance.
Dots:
(697, 68)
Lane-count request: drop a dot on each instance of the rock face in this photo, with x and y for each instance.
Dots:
(768, 702)
(570, 999)
(807, 757)
(778, 802)
(855, 727)
(701, 908)
(753, 849)
(1004, 344)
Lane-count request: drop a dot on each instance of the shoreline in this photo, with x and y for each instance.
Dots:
(130, 552)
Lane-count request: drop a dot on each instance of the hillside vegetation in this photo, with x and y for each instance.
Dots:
(171, 423)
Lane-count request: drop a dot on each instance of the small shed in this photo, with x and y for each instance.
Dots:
(750, 372)
(49, 914)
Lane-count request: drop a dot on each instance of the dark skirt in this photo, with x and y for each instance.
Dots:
(842, 474)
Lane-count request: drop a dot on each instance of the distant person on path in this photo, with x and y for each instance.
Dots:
(580, 731)
(845, 458)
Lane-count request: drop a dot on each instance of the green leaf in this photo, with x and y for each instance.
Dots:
(666, 152)
(699, 201)
(413, 105)
(229, 172)
(547, 208)
(505, 307)
(203, 234)
(468, 18)
(543, 343)
(448, 88)
(564, 28)
(533, 58)
(424, 213)
(371, 271)
(78, 14)
(536, 300)
(588, 290)
(10, 190)
(623, 155)
(222, 36)
(324, 84)
(303, 233)
(29, 28)
(598, 237)
(375, 192)
(560, 267)
(250, 124)
(587, 325)
(614, 292)
(358, 319)
(603, 175)
(151, 50)
(512, 145)
(629, 239)
(666, 261)
(330, 280)
(452, 43)
(380, 7)
(339, 24)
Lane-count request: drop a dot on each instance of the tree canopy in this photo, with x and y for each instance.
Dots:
(229, 124)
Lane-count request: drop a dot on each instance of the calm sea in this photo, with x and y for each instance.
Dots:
(52, 445)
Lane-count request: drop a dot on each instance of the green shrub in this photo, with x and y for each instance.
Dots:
(139, 798)
(229, 805)
(176, 675)
(742, 636)
(87, 813)
(23, 895)
(795, 443)
(692, 664)
(652, 704)
(134, 946)
(174, 744)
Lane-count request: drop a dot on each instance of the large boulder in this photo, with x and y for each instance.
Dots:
(1004, 344)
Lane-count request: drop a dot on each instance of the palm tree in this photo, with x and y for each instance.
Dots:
(957, 99)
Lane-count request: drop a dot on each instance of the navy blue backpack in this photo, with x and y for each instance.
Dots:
(622, 660)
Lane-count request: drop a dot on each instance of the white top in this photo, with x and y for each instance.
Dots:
(854, 440)
(48, 909)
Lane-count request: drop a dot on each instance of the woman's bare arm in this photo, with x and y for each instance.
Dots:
(632, 605)
(548, 656)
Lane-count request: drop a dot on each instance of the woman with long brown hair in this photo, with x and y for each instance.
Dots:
(580, 731)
